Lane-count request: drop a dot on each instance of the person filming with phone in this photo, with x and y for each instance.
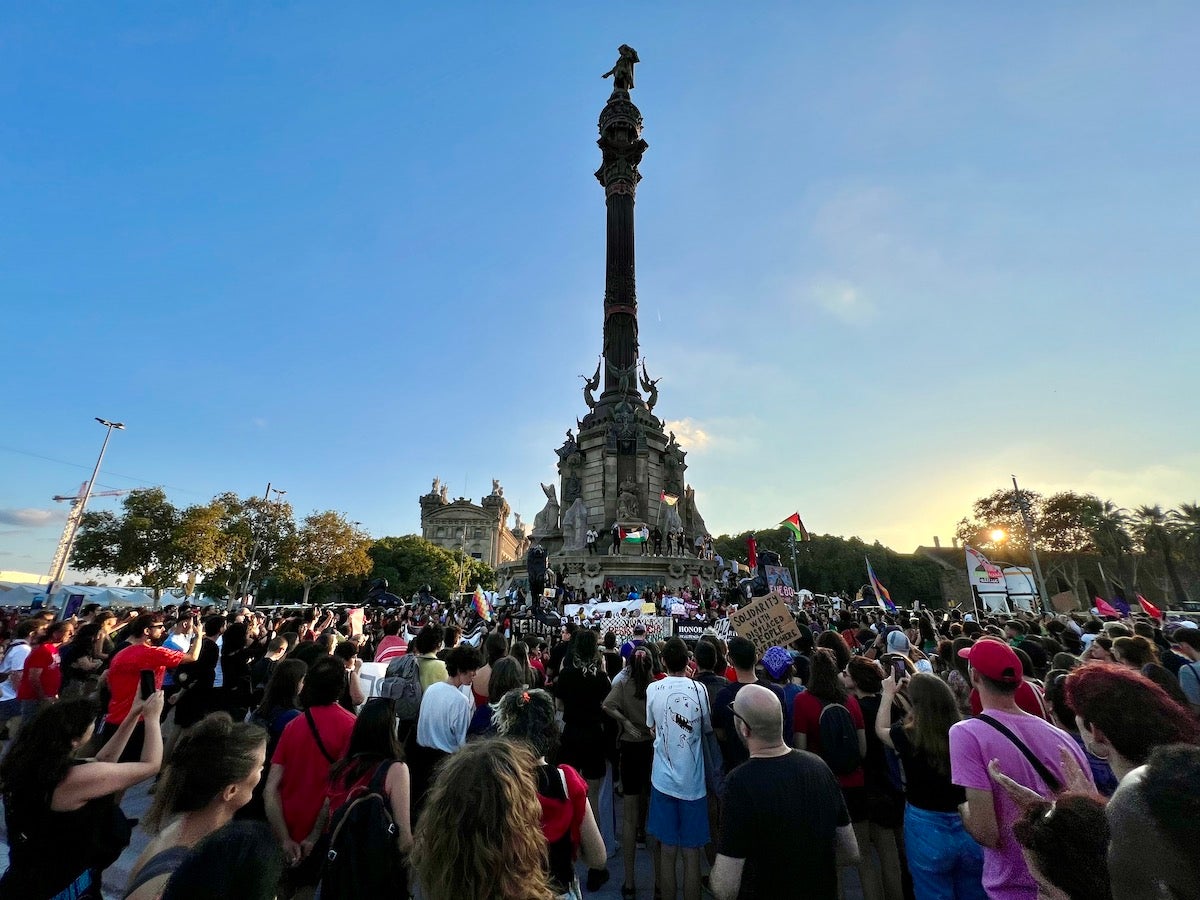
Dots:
(138, 670)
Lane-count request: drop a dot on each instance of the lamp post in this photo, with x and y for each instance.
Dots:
(258, 538)
(795, 575)
(63, 555)
(1023, 506)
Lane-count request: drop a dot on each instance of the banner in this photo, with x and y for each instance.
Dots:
(983, 575)
(591, 610)
(767, 622)
(777, 577)
(1022, 592)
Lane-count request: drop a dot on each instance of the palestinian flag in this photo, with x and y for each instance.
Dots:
(669, 499)
(796, 527)
(632, 537)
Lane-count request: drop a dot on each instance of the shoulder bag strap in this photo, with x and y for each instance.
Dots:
(317, 736)
(1040, 767)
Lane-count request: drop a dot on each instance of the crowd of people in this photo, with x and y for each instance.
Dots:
(922, 756)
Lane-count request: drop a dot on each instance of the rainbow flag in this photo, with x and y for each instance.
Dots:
(793, 524)
(481, 604)
(881, 593)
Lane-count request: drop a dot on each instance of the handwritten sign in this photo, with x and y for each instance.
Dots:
(767, 622)
(370, 675)
(354, 619)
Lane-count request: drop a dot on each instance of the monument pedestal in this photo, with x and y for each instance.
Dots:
(588, 572)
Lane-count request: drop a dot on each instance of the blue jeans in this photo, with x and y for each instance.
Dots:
(945, 862)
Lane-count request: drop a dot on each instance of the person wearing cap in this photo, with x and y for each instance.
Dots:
(124, 676)
(1007, 733)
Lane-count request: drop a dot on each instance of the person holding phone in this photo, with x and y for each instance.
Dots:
(126, 679)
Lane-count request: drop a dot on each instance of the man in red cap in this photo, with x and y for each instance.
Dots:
(1028, 749)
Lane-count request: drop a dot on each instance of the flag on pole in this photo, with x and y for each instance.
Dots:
(796, 527)
(669, 499)
(632, 537)
(1104, 609)
(481, 604)
(1149, 608)
(881, 593)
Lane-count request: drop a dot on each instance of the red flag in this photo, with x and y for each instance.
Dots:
(1105, 609)
(752, 553)
(1149, 608)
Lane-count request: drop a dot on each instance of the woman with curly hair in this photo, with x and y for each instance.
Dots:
(496, 853)
(53, 800)
(567, 820)
(1065, 844)
(212, 774)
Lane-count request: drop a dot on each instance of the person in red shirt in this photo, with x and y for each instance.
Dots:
(307, 750)
(41, 677)
(124, 676)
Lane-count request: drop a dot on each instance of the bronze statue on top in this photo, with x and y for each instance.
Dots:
(622, 72)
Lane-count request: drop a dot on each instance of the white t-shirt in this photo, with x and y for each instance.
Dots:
(444, 718)
(14, 661)
(677, 708)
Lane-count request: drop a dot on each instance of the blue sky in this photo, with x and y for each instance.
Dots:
(887, 255)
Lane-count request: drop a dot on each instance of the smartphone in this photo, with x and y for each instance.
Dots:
(148, 686)
(898, 670)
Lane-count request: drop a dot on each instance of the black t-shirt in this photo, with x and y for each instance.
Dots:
(581, 695)
(733, 751)
(781, 815)
(925, 786)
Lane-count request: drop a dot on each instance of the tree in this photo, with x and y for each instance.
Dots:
(999, 512)
(1185, 529)
(408, 563)
(327, 548)
(250, 529)
(1150, 527)
(142, 541)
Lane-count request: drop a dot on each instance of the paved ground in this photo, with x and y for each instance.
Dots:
(137, 801)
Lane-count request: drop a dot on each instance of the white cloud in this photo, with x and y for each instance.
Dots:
(843, 301)
(690, 434)
(30, 518)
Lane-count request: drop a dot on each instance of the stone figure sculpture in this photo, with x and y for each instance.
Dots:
(546, 522)
(622, 72)
(590, 385)
(574, 527)
(650, 386)
(627, 502)
(535, 568)
(444, 492)
(437, 485)
(623, 376)
(497, 491)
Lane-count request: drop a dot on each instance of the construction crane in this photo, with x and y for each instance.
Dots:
(72, 525)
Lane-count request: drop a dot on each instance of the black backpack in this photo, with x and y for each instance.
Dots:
(363, 859)
(839, 739)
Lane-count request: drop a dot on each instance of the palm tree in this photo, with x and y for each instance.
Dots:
(1184, 524)
(1109, 528)
(1150, 528)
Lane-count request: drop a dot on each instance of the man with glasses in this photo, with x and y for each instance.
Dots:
(784, 825)
(124, 676)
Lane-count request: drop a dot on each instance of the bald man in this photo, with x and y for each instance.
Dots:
(784, 828)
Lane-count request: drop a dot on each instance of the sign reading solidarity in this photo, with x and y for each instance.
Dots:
(767, 622)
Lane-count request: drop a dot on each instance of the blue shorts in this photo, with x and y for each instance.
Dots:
(678, 823)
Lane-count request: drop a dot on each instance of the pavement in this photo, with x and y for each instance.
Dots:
(137, 802)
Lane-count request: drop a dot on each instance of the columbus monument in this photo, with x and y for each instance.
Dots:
(620, 467)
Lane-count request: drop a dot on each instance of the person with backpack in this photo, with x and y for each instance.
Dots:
(828, 721)
(370, 830)
(311, 744)
(443, 720)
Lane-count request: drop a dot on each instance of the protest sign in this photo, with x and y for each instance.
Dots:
(766, 621)
(690, 629)
(354, 619)
(370, 674)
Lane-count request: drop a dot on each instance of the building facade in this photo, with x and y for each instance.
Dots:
(478, 529)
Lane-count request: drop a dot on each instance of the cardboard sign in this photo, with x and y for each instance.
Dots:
(1065, 602)
(767, 622)
(370, 675)
(354, 620)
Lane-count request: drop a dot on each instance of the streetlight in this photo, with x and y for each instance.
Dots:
(63, 555)
(258, 539)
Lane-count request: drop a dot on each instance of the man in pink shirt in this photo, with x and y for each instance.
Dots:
(1029, 751)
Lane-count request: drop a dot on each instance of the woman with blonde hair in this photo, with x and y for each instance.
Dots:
(496, 853)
